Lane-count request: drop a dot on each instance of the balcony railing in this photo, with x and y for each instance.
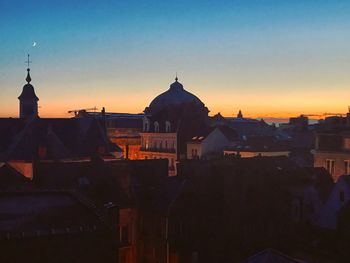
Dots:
(161, 150)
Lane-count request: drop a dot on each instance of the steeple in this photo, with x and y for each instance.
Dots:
(28, 78)
(240, 115)
(28, 101)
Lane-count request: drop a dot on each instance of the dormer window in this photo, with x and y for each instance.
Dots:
(167, 126)
(156, 126)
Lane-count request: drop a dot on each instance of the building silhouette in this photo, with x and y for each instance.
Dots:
(28, 101)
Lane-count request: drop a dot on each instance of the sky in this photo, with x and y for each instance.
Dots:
(268, 58)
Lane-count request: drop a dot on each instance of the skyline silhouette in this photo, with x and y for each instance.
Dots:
(267, 58)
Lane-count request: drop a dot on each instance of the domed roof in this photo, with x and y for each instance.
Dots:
(28, 90)
(175, 95)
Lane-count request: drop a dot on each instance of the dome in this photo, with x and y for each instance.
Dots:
(175, 95)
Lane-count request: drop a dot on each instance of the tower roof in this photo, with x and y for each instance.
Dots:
(28, 89)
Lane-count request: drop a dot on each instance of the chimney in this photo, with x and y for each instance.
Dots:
(103, 113)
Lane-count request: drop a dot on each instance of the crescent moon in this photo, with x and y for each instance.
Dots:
(34, 44)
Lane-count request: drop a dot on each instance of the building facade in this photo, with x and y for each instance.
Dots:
(332, 151)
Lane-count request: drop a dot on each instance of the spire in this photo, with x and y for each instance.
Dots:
(28, 78)
(176, 78)
(240, 115)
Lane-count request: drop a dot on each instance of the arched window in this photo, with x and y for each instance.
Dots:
(156, 126)
(145, 124)
(167, 126)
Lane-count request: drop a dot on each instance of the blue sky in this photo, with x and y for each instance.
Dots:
(268, 58)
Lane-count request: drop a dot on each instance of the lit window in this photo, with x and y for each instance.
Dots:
(347, 143)
(346, 166)
(330, 166)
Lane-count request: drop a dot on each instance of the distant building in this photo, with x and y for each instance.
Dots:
(253, 137)
(123, 129)
(332, 151)
(171, 120)
(211, 144)
(258, 146)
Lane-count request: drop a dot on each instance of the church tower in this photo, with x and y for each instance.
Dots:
(28, 101)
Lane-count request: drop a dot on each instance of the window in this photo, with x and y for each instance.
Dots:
(347, 143)
(155, 145)
(160, 145)
(330, 166)
(167, 126)
(166, 144)
(341, 196)
(346, 166)
(194, 153)
(156, 126)
(145, 125)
